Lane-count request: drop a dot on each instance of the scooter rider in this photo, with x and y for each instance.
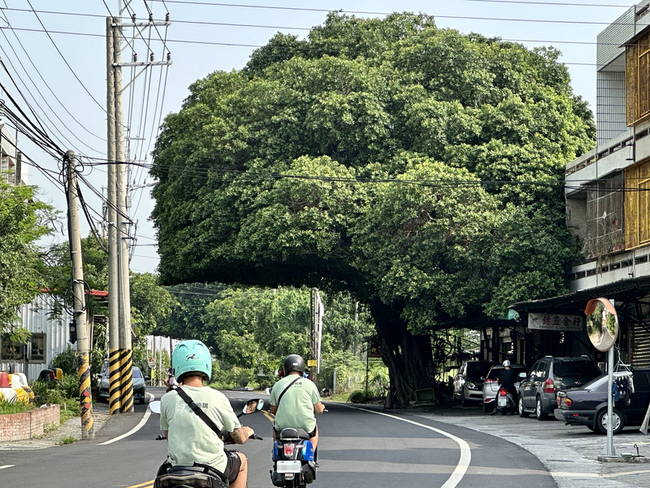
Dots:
(506, 380)
(190, 440)
(300, 400)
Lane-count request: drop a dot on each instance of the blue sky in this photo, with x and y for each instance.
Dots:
(70, 68)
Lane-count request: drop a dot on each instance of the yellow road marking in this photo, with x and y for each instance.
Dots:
(142, 485)
(268, 415)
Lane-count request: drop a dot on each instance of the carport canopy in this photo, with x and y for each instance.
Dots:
(574, 303)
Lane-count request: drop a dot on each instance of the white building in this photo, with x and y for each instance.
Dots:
(11, 164)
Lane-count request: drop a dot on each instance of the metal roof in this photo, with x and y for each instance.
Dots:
(574, 303)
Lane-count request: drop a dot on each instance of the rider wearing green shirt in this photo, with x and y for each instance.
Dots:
(189, 438)
(300, 401)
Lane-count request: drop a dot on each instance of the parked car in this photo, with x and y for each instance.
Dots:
(538, 391)
(139, 385)
(491, 385)
(588, 405)
(468, 383)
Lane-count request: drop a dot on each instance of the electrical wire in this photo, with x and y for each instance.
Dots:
(64, 59)
(44, 81)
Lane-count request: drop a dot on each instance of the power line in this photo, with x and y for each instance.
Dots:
(64, 59)
(44, 81)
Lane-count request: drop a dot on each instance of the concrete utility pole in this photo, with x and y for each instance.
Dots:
(115, 395)
(79, 306)
(120, 339)
(126, 359)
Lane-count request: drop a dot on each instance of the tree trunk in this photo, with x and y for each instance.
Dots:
(408, 357)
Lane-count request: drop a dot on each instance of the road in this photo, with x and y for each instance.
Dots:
(358, 447)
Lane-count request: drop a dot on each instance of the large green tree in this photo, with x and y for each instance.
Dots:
(416, 167)
(23, 220)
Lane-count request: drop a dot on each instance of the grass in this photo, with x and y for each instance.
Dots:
(14, 407)
(67, 440)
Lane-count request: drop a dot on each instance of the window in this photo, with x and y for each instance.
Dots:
(605, 212)
(10, 350)
(637, 205)
(15, 351)
(637, 80)
(37, 348)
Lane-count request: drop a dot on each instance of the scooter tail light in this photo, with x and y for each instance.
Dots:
(503, 392)
(289, 449)
(549, 386)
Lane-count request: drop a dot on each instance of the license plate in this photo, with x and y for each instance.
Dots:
(503, 401)
(288, 467)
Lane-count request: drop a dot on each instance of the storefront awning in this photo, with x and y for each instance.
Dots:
(574, 303)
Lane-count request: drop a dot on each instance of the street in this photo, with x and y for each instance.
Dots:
(363, 446)
(358, 448)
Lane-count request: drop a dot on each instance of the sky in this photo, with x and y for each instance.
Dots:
(55, 59)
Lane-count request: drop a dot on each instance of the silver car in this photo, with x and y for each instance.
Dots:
(491, 385)
(468, 383)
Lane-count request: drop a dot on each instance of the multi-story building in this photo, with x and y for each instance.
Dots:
(608, 203)
(11, 167)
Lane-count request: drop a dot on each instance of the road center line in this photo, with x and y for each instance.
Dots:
(7, 466)
(147, 414)
(465, 451)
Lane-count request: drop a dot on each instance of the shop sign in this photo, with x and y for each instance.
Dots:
(555, 321)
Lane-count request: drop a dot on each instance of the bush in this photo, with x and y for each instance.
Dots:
(67, 361)
(357, 396)
(14, 407)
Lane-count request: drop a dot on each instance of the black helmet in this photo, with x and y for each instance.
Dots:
(293, 362)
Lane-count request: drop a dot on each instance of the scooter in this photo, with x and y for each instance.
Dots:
(294, 460)
(505, 402)
(199, 475)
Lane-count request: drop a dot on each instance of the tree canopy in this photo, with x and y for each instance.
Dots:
(23, 220)
(419, 168)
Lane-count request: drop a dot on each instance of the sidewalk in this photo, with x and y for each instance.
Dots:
(569, 453)
(71, 428)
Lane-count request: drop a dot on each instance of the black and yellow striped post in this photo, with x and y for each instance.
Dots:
(85, 396)
(126, 367)
(114, 388)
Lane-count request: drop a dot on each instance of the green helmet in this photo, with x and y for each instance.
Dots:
(192, 357)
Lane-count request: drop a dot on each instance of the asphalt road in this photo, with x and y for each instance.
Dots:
(358, 448)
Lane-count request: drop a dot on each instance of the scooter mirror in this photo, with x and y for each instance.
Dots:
(253, 406)
(155, 407)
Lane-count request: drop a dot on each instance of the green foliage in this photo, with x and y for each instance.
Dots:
(14, 407)
(357, 396)
(67, 361)
(418, 168)
(68, 440)
(150, 302)
(23, 220)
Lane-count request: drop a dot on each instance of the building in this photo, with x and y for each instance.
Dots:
(49, 325)
(11, 166)
(608, 205)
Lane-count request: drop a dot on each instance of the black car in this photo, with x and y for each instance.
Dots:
(588, 405)
(139, 385)
(468, 383)
(538, 391)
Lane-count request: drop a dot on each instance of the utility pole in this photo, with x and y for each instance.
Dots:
(126, 355)
(115, 395)
(79, 305)
(120, 339)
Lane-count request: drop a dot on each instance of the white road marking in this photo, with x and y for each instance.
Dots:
(7, 466)
(465, 451)
(147, 414)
